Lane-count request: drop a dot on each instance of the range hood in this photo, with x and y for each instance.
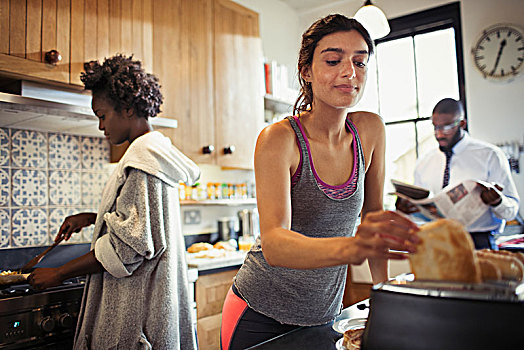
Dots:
(35, 106)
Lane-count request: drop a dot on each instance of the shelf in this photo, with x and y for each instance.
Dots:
(227, 202)
(277, 105)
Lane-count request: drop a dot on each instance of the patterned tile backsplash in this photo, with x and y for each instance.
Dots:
(45, 177)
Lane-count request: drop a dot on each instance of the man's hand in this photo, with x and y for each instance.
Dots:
(491, 195)
(405, 206)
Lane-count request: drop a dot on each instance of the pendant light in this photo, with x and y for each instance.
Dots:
(373, 19)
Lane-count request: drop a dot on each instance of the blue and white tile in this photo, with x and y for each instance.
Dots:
(92, 187)
(95, 153)
(4, 147)
(88, 231)
(29, 227)
(29, 187)
(4, 187)
(29, 149)
(56, 218)
(5, 228)
(64, 151)
(64, 187)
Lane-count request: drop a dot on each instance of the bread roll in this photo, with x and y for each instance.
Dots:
(510, 267)
(224, 245)
(446, 252)
(489, 270)
(198, 247)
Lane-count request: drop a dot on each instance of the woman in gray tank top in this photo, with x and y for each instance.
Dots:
(315, 174)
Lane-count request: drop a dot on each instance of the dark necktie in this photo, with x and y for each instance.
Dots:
(445, 181)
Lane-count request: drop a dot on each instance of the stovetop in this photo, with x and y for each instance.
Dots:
(26, 289)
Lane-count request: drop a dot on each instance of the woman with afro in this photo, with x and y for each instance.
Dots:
(136, 294)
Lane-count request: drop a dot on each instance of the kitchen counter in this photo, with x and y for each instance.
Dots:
(313, 338)
(230, 259)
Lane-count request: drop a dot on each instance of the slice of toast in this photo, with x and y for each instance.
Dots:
(446, 252)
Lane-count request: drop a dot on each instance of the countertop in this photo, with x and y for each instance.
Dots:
(228, 259)
(314, 338)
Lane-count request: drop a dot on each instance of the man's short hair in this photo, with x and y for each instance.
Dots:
(449, 106)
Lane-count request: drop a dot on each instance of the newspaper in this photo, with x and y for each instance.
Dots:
(461, 202)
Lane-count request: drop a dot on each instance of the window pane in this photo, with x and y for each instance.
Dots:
(396, 80)
(437, 75)
(426, 137)
(369, 100)
(400, 157)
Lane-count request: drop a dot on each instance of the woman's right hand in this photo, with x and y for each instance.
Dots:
(382, 231)
(74, 223)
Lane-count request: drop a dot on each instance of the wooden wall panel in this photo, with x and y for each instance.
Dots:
(33, 45)
(17, 28)
(4, 26)
(77, 41)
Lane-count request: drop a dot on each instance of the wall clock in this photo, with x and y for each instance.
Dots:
(499, 51)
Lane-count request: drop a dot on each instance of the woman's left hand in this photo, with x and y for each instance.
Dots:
(389, 230)
(43, 278)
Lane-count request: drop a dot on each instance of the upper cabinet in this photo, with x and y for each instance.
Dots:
(29, 29)
(80, 30)
(212, 78)
(207, 55)
(239, 83)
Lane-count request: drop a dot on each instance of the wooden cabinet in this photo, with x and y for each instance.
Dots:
(80, 30)
(28, 29)
(212, 75)
(211, 291)
(239, 88)
(207, 55)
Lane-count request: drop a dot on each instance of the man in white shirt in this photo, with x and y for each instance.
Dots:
(461, 157)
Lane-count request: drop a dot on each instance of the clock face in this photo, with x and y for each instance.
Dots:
(499, 52)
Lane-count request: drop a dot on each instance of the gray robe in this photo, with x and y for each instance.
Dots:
(142, 300)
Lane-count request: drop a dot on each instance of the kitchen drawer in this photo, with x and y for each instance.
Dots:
(211, 291)
(208, 331)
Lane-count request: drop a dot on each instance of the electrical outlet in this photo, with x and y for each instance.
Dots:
(192, 217)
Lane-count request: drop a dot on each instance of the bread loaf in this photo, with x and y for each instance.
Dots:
(198, 247)
(446, 252)
(511, 268)
(489, 270)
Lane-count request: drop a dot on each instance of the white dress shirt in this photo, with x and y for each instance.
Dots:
(473, 160)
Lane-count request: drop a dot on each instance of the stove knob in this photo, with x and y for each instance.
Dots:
(47, 324)
(66, 320)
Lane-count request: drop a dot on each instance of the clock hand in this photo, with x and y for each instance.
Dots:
(502, 44)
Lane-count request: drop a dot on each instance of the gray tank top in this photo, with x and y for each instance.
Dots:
(306, 297)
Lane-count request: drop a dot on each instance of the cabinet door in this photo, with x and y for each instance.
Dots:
(28, 29)
(192, 94)
(239, 90)
(103, 28)
(211, 292)
(208, 332)
(170, 61)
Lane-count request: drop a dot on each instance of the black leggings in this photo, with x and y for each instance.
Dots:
(252, 327)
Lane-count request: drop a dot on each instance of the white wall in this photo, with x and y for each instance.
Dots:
(280, 31)
(495, 110)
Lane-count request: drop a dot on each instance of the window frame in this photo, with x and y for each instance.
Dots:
(438, 18)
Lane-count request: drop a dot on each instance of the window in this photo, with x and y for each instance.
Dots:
(415, 66)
